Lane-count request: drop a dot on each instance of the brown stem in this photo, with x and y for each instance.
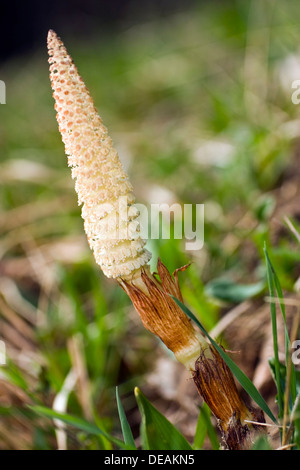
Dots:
(216, 385)
(213, 378)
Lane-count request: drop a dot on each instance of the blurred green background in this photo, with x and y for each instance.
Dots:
(198, 104)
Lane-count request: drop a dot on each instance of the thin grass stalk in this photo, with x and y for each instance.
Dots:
(289, 370)
(293, 418)
(287, 340)
(274, 334)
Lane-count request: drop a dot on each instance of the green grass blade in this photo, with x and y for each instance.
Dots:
(205, 428)
(271, 283)
(229, 291)
(295, 421)
(261, 443)
(287, 339)
(127, 434)
(14, 375)
(77, 423)
(157, 432)
(237, 372)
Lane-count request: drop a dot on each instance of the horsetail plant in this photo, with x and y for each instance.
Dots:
(113, 232)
